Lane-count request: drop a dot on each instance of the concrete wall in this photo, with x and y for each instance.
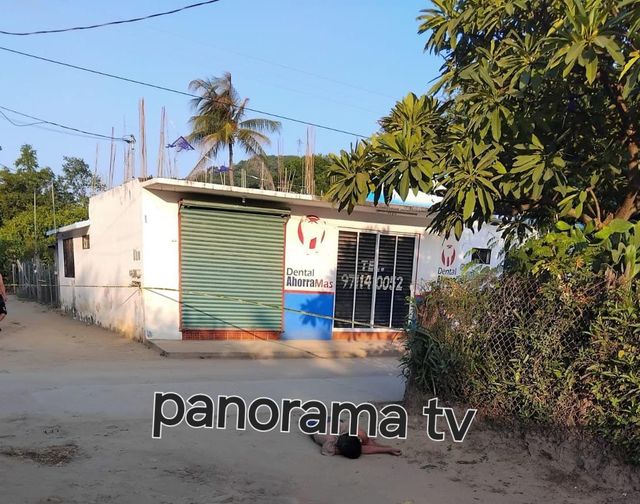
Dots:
(100, 291)
(316, 261)
(160, 258)
(135, 230)
(161, 263)
(446, 257)
(311, 258)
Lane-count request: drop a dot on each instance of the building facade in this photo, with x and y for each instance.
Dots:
(174, 259)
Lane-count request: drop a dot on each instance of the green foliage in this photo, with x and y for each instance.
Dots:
(22, 236)
(534, 119)
(614, 247)
(612, 374)
(292, 166)
(558, 351)
(17, 187)
(434, 358)
(619, 246)
(289, 177)
(77, 182)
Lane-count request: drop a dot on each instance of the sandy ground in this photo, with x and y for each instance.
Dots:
(75, 427)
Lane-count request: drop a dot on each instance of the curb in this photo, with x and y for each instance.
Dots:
(290, 353)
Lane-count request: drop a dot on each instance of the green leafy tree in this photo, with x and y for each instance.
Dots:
(220, 123)
(255, 178)
(28, 159)
(23, 224)
(77, 182)
(22, 238)
(18, 187)
(534, 119)
(294, 167)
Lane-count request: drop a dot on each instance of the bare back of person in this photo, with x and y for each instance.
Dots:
(350, 446)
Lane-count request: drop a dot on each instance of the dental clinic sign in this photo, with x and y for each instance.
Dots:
(448, 259)
(311, 255)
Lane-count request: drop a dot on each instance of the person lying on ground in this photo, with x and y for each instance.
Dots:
(351, 446)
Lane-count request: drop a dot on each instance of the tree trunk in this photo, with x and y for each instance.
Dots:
(630, 134)
(628, 207)
(231, 181)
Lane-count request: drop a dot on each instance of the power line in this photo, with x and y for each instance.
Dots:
(110, 23)
(37, 125)
(175, 91)
(214, 295)
(18, 124)
(69, 133)
(44, 121)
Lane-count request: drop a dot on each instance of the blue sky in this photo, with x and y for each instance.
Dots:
(341, 63)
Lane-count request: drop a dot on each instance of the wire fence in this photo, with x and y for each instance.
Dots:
(502, 341)
(499, 307)
(35, 280)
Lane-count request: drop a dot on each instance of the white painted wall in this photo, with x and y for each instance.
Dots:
(430, 246)
(99, 293)
(161, 263)
(129, 218)
(160, 257)
(430, 262)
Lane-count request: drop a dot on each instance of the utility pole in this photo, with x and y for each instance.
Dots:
(35, 225)
(53, 204)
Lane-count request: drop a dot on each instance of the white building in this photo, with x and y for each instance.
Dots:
(174, 259)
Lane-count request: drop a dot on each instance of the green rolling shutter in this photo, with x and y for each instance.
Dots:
(228, 254)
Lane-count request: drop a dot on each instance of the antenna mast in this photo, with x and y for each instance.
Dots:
(161, 147)
(143, 140)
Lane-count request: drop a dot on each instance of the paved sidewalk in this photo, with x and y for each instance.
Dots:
(238, 349)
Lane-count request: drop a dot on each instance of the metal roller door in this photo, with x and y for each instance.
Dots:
(230, 259)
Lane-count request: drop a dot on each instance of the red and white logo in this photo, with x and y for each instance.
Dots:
(448, 255)
(311, 231)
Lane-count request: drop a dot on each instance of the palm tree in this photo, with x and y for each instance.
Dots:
(219, 122)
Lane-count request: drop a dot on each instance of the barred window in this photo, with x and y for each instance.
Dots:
(86, 243)
(373, 279)
(481, 255)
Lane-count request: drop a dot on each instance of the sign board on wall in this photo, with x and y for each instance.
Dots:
(309, 278)
(310, 256)
(448, 260)
(438, 257)
(441, 257)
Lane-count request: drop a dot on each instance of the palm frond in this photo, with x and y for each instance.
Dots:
(261, 138)
(238, 112)
(252, 141)
(223, 86)
(261, 125)
(206, 159)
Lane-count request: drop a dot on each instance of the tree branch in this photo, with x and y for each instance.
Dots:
(597, 204)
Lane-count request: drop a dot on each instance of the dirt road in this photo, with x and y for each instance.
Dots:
(75, 427)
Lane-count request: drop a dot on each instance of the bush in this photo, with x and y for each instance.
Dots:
(612, 373)
(559, 350)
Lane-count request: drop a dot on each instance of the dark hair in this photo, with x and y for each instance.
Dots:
(349, 446)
